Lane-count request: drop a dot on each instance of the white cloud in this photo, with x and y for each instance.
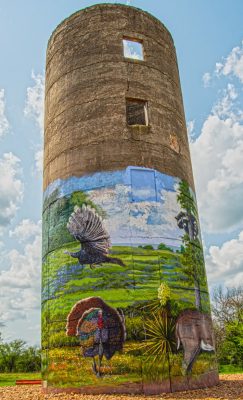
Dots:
(232, 64)
(11, 188)
(217, 155)
(143, 221)
(190, 129)
(133, 50)
(4, 124)
(34, 106)
(206, 79)
(21, 282)
(226, 107)
(25, 230)
(217, 162)
(39, 161)
(226, 262)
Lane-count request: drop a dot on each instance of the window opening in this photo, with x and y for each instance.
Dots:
(133, 49)
(137, 112)
(143, 185)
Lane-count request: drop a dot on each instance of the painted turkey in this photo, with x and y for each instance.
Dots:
(87, 227)
(99, 327)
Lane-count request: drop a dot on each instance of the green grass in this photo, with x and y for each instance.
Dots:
(230, 369)
(65, 283)
(8, 379)
(67, 367)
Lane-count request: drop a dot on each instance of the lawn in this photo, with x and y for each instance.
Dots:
(8, 379)
(230, 369)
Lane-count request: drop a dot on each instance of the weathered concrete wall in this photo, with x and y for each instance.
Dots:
(87, 83)
(120, 221)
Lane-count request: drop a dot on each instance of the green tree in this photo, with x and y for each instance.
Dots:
(15, 356)
(79, 198)
(185, 198)
(162, 246)
(10, 354)
(192, 256)
(148, 247)
(231, 349)
(227, 311)
(30, 360)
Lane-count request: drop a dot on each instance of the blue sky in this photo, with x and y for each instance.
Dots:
(208, 37)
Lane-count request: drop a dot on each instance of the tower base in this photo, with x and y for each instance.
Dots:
(177, 384)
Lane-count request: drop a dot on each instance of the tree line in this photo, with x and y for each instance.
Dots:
(227, 312)
(16, 356)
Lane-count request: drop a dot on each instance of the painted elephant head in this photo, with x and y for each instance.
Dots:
(195, 333)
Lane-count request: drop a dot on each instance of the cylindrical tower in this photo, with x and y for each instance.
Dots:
(125, 304)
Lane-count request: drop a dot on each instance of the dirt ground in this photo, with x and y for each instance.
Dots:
(230, 387)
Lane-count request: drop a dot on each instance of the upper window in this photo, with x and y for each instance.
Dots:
(143, 185)
(137, 112)
(133, 49)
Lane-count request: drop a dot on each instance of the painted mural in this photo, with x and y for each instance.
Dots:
(124, 293)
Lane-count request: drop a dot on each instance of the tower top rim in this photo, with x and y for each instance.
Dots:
(108, 6)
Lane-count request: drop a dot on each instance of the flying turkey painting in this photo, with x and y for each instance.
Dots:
(86, 226)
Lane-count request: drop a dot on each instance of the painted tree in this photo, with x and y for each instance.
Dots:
(192, 256)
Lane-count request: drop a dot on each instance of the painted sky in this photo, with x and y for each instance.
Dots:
(140, 204)
(208, 37)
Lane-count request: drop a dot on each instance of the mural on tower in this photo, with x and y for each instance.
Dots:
(125, 299)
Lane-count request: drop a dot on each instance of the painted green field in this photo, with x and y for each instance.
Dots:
(65, 282)
(67, 367)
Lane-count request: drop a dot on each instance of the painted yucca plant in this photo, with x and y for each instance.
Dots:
(160, 340)
(162, 300)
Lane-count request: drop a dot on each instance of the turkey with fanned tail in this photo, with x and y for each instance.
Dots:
(87, 227)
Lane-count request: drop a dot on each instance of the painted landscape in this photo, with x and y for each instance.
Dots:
(123, 277)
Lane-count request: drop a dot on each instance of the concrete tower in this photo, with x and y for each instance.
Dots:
(125, 303)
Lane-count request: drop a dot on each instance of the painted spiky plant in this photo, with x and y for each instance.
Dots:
(160, 340)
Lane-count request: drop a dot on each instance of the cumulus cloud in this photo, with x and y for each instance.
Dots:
(217, 155)
(34, 106)
(232, 64)
(26, 230)
(21, 281)
(206, 79)
(226, 262)
(39, 160)
(4, 124)
(217, 160)
(11, 188)
(190, 129)
(142, 221)
(226, 107)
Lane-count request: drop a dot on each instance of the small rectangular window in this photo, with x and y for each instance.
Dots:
(133, 49)
(137, 112)
(143, 185)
